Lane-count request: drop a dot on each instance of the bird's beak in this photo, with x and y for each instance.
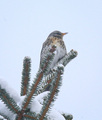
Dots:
(64, 33)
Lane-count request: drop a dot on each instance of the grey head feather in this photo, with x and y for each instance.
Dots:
(57, 34)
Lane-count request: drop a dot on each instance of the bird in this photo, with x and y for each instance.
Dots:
(55, 38)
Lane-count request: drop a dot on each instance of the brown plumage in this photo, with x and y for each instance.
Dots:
(55, 38)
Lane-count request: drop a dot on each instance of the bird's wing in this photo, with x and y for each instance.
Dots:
(45, 48)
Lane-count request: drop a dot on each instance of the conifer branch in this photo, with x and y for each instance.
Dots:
(55, 83)
(67, 116)
(32, 91)
(30, 116)
(34, 87)
(64, 61)
(44, 66)
(29, 96)
(53, 80)
(4, 116)
(44, 84)
(25, 76)
(67, 58)
(8, 101)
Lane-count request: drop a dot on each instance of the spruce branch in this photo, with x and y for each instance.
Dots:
(54, 80)
(32, 91)
(25, 76)
(8, 101)
(35, 85)
(67, 116)
(27, 116)
(44, 65)
(46, 81)
(64, 61)
(67, 58)
(54, 89)
(30, 116)
(29, 97)
(4, 116)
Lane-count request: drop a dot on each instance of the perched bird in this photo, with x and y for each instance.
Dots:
(55, 38)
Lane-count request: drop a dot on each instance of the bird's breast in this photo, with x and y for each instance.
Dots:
(55, 42)
(59, 54)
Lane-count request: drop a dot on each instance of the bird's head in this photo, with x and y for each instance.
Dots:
(57, 34)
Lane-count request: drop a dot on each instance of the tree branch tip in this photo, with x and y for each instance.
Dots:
(27, 57)
(61, 68)
(74, 52)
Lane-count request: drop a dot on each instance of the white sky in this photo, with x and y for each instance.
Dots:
(25, 25)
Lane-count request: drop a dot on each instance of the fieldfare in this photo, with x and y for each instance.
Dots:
(55, 38)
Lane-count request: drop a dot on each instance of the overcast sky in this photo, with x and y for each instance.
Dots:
(25, 25)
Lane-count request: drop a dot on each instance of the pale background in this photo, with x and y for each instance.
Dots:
(25, 25)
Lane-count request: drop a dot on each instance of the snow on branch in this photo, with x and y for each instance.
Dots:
(71, 55)
(36, 104)
(55, 84)
(45, 65)
(48, 78)
(3, 116)
(8, 101)
(67, 116)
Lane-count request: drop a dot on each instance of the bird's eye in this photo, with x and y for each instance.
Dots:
(58, 33)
